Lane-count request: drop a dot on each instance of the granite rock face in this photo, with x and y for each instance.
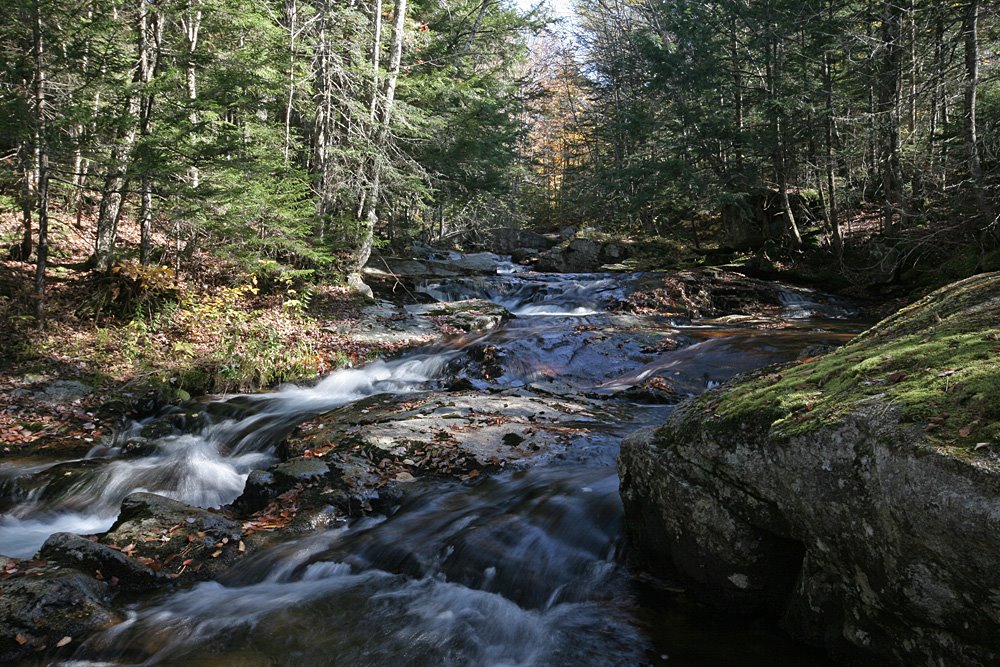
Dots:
(855, 495)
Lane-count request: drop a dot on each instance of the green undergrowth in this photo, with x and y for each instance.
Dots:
(937, 361)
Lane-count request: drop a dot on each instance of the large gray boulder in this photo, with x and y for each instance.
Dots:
(856, 496)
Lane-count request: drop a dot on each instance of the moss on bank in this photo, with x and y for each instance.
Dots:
(937, 360)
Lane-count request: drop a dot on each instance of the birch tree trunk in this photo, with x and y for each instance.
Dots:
(150, 39)
(384, 118)
(43, 163)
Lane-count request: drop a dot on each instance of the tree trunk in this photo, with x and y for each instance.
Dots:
(779, 154)
(376, 55)
(24, 251)
(150, 38)
(836, 235)
(368, 215)
(970, 30)
(888, 109)
(291, 16)
(43, 164)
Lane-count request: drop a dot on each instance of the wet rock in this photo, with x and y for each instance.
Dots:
(506, 241)
(712, 293)
(865, 514)
(176, 420)
(455, 435)
(524, 255)
(653, 390)
(301, 469)
(137, 447)
(468, 315)
(175, 540)
(100, 561)
(261, 488)
(446, 266)
(42, 605)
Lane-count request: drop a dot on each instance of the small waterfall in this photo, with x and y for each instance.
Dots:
(207, 468)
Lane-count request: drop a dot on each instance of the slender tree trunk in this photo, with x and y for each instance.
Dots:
(970, 30)
(24, 252)
(937, 94)
(888, 109)
(737, 64)
(115, 186)
(150, 37)
(291, 15)
(779, 154)
(43, 163)
(836, 234)
(376, 54)
(368, 215)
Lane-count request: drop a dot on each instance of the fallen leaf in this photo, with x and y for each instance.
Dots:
(965, 431)
(946, 373)
(65, 640)
(21, 639)
(897, 377)
(217, 553)
(242, 547)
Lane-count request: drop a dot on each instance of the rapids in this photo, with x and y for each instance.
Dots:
(527, 567)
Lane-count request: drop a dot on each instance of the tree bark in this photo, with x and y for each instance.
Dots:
(368, 213)
(27, 172)
(970, 30)
(43, 163)
(888, 110)
(150, 38)
(836, 235)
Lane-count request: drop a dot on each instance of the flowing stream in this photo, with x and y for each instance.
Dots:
(528, 567)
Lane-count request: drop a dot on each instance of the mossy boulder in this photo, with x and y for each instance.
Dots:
(855, 495)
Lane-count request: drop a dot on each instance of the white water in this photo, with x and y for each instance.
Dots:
(208, 468)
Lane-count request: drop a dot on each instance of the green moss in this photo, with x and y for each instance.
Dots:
(938, 361)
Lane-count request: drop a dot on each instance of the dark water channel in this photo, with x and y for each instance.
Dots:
(528, 567)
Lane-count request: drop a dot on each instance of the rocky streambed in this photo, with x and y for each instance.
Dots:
(456, 505)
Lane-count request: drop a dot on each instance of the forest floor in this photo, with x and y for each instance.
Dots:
(123, 345)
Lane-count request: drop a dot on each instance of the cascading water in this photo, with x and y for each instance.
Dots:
(524, 568)
(206, 468)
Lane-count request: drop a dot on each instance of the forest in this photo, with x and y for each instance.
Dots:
(301, 134)
(500, 332)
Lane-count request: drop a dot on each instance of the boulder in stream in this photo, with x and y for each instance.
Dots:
(855, 495)
(44, 607)
(174, 540)
(467, 315)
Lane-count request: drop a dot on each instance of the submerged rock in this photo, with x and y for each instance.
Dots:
(855, 495)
